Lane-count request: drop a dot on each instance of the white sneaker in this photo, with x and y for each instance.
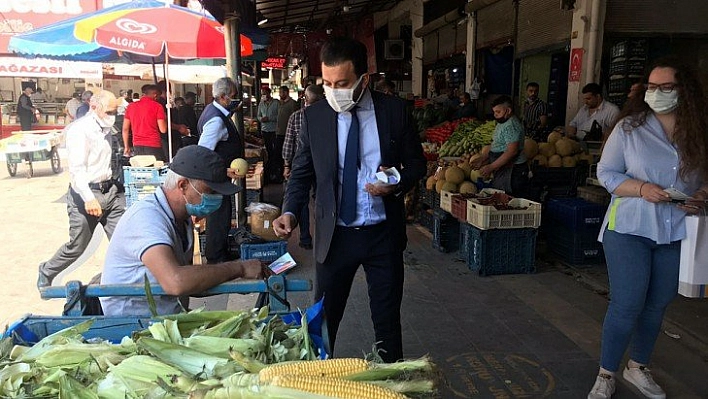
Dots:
(641, 378)
(604, 387)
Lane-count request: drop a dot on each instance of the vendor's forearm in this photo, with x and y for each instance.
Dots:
(506, 158)
(195, 279)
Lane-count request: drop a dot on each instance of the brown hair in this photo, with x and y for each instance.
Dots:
(691, 131)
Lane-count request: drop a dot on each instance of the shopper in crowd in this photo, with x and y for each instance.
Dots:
(136, 96)
(660, 142)
(71, 107)
(146, 121)
(506, 159)
(268, 117)
(176, 130)
(155, 238)
(597, 117)
(535, 113)
(313, 94)
(85, 104)
(636, 89)
(26, 111)
(39, 96)
(286, 108)
(467, 108)
(343, 143)
(93, 196)
(218, 132)
(188, 117)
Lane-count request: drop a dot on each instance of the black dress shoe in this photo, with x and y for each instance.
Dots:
(43, 281)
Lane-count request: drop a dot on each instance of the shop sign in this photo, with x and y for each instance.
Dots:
(42, 68)
(576, 65)
(19, 16)
(274, 62)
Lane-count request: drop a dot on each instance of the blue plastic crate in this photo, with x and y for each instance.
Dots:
(134, 175)
(136, 191)
(501, 251)
(267, 251)
(575, 214)
(576, 248)
(464, 241)
(425, 219)
(446, 231)
(30, 329)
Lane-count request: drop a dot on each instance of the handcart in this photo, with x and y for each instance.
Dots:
(32, 146)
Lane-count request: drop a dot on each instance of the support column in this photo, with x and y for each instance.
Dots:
(416, 15)
(471, 51)
(232, 38)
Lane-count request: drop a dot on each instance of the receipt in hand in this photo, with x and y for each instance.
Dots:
(389, 176)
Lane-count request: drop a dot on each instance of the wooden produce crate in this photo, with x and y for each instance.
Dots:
(487, 217)
(254, 177)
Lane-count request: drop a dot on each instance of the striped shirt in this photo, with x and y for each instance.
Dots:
(291, 134)
(533, 111)
(645, 154)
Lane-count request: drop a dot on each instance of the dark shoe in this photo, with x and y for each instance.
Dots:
(43, 281)
(305, 246)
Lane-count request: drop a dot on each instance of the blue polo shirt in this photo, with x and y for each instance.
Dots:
(146, 223)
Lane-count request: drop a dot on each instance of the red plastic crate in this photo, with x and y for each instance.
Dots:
(459, 206)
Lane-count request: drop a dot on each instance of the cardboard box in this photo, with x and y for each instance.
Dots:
(261, 223)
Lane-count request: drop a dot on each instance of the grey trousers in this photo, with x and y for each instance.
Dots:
(82, 226)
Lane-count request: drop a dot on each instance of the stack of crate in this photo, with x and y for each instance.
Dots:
(141, 182)
(627, 63)
(572, 226)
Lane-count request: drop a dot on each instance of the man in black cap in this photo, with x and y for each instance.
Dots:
(154, 238)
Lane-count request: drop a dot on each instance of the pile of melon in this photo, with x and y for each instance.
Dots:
(457, 176)
(556, 152)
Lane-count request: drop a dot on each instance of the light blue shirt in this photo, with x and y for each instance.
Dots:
(214, 130)
(146, 223)
(645, 154)
(269, 109)
(507, 133)
(370, 209)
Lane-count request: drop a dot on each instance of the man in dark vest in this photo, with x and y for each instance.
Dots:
(218, 132)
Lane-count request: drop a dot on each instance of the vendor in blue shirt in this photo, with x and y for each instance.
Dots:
(506, 161)
(154, 238)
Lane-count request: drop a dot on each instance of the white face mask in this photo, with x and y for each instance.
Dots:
(107, 121)
(660, 102)
(342, 100)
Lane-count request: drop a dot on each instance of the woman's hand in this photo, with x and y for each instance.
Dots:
(696, 204)
(653, 193)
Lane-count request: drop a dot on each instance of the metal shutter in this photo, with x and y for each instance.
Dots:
(656, 16)
(542, 24)
(495, 24)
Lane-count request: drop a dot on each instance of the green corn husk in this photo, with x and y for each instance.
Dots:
(12, 377)
(232, 327)
(218, 346)
(166, 331)
(255, 392)
(138, 375)
(417, 386)
(385, 371)
(192, 362)
(70, 334)
(71, 388)
(76, 353)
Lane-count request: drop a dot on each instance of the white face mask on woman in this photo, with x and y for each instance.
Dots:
(342, 100)
(660, 102)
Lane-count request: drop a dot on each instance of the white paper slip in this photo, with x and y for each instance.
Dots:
(676, 194)
(388, 177)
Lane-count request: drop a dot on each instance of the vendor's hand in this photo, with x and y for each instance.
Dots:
(264, 119)
(93, 208)
(477, 163)
(486, 170)
(696, 204)
(251, 269)
(380, 190)
(286, 172)
(126, 152)
(283, 226)
(231, 173)
(183, 130)
(654, 193)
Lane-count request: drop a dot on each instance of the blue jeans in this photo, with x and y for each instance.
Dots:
(643, 281)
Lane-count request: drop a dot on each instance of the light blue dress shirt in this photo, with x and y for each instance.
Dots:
(370, 209)
(646, 154)
(214, 130)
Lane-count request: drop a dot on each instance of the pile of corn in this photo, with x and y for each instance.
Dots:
(201, 355)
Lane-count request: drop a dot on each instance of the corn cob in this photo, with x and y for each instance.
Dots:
(335, 387)
(317, 368)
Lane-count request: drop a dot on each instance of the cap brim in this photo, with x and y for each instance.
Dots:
(223, 188)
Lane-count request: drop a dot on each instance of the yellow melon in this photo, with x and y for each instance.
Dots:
(546, 149)
(530, 148)
(455, 175)
(541, 159)
(564, 147)
(475, 175)
(553, 137)
(468, 188)
(439, 185)
(430, 183)
(569, 162)
(555, 161)
(449, 187)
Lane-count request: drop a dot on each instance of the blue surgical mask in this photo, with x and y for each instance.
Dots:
(233, 103)
(209, 204)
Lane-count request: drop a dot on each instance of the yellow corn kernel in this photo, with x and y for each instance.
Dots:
(318, 368)
(335, 387)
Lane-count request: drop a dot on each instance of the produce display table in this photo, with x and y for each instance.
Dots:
(31, 146)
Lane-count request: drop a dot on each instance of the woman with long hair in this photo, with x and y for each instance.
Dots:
(660, 142)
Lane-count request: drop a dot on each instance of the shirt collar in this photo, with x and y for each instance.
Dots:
(221, 108)
(366, 102)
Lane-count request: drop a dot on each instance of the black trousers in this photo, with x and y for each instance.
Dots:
(218, 226)
(373, 248)
(270, 166)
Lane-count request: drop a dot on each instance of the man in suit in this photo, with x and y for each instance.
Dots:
(357, 222)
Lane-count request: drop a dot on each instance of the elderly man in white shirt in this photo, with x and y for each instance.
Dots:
(595, 110)
(93, 196)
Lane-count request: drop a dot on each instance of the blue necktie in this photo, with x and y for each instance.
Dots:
(347, 209)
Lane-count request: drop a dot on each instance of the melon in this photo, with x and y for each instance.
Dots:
(576, 146)
(530, 148)
(564, 147)
(541, 159)
(240, 166)
(569, 162)
(553, 137)
(475, 175)
(546, 149)
(555, 161)
(439, 185)
(468, 188)
(455, 175)
(430, 183)
(466, 167)
(449, 187)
